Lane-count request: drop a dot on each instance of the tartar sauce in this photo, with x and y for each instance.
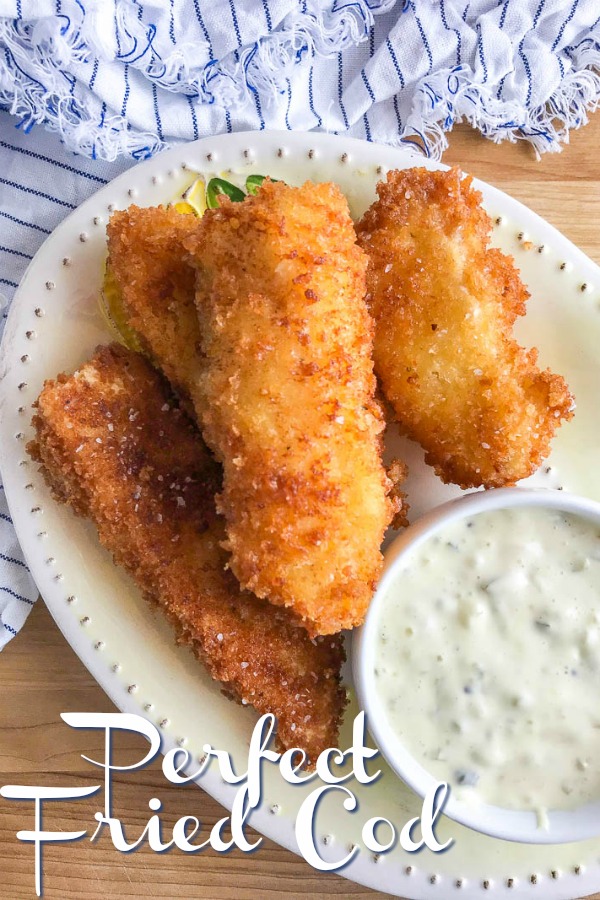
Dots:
(488, 658)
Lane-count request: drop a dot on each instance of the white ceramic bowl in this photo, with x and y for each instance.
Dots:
(514, 825)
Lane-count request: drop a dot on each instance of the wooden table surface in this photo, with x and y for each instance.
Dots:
(40, 676)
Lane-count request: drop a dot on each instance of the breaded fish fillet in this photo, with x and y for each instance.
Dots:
(145, 256)
(148, 265)
(444, 304)
(113, 445)
(285, 398)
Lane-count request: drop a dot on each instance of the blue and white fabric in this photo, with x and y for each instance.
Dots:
(118, 77)
(40, 184)
(119, 80)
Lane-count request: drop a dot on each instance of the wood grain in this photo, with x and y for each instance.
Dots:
(40, 676)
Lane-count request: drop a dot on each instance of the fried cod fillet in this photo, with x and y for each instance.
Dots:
(147, 264)
(285, 398)
(305, 488)
(444, 305)
(115, 447)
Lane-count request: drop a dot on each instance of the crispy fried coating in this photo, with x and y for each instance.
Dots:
(444, 304)
(285, 398)
(155, 280)
(148, 264)
(114, 445)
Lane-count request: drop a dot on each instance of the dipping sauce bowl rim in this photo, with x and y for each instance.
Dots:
(563, 826)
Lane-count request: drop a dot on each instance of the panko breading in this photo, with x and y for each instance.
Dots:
(150, 270)
(146, 258)
(285, 398)
(444, 304)
(148, 266)
(114, 445)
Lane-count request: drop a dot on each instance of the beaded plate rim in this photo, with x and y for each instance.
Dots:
(26, 496)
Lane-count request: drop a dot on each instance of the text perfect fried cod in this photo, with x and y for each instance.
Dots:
(115, 447)
(285, 399)
(444, 305)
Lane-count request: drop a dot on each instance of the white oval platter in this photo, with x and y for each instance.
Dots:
(54, 325)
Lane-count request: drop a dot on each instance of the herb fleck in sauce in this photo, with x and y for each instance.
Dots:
(488, 662)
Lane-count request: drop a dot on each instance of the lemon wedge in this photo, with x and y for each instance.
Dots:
(193, 200)
(111, 304)
(182, 207)
(195, 196)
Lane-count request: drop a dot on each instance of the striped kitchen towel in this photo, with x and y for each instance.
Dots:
(121, 79)
(128, 77)
(40, 184)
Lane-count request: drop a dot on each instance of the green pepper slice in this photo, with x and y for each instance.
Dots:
(218, 186)
(253, 183)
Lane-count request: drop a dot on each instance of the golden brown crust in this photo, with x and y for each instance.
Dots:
(114, 445)
(444, 304)
(397, 472)
(146, 256)
(169, 327)
(285, 397)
